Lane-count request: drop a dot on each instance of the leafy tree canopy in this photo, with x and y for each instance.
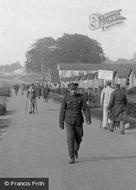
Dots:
(76, 48)
(10, 68)
(70, 48)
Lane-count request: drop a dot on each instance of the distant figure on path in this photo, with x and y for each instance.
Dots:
(31, 95)
(104, 102)
(46, 91)
(16, 88)
(71, 113)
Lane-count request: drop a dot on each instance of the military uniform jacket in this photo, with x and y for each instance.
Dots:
(71, 110)
(117, 105)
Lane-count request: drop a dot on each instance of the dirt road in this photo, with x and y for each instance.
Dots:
(34, 146)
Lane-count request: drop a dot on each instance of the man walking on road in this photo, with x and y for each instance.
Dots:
(104, 101)
(117, 108)
(71, 113)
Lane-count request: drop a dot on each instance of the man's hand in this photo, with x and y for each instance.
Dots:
(62, 126)
(87, 103)
(108, 111)
(89, 122)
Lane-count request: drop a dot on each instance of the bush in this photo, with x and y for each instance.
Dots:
(131, 109)
(60, 91)
(96, 110)
(5, 91)
(93, 97)
(131, 91)
(2, 109)
(57, 90)
(56, 97)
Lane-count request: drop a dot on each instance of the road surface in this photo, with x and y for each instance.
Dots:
(35, 146)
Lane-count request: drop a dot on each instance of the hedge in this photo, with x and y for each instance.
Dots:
(131, 91)
(96, 109)
(2, 109)
(131, 109)
(5, 91)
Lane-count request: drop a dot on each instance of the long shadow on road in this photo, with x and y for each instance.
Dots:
(101, 158)
(5, 122)
(10, 112)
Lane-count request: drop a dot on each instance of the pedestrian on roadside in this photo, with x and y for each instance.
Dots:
(46, 91)
(104, 102)
(117, 108)
(31, 95)
(71, 113)
(16, 88)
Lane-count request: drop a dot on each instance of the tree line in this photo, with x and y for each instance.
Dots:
(70, 48)
(10, 68)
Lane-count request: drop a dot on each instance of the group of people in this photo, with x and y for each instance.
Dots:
(74, 105)
(32, 93)
(114, 102)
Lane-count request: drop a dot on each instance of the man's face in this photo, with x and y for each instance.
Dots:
(73, 91)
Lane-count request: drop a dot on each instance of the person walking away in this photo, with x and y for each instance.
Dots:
(31, 95)
(46, 91)
(39, 93)
(22, 89)
(117, 108)
(71, 113)
(104, 102)
(16, 88)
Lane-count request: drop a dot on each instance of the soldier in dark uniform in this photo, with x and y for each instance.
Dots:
(71, 113)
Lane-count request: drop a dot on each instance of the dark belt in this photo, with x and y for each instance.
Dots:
(71, 110)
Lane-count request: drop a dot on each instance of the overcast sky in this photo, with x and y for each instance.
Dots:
(24, 21)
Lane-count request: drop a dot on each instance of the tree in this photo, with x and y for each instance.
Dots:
(10, 68)
(122, 61)
(70, 48)
(33, 61)
(108, 61)
(39, 54)
(76, 48)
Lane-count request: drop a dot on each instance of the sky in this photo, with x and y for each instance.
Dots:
(22, 22)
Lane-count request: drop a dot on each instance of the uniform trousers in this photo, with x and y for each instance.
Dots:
(32, 104)
(74, 138)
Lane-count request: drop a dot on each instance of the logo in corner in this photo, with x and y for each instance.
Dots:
(106, 21)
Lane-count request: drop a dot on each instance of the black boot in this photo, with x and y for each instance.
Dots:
(72, 160)
(76, 154)
(122, 132)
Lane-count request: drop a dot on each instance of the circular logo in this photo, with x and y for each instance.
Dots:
(94, 22)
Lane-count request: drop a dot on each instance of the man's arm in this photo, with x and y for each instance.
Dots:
(27, 95)
(111, 102)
